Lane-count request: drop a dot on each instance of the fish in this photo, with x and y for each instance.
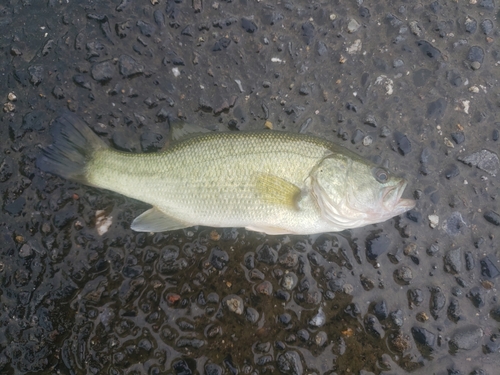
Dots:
(269, 181)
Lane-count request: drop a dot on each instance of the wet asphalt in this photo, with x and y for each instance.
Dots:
(413, 86)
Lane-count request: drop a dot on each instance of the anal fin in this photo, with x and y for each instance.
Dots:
(268, 229)
(154, 220)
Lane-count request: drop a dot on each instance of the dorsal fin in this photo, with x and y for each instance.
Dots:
(180, 130)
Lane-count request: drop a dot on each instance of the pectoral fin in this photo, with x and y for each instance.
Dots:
(154, 220)
(276, 190)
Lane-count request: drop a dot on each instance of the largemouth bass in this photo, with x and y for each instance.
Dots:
(267, 181)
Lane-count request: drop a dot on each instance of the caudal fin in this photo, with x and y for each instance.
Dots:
(73, 145)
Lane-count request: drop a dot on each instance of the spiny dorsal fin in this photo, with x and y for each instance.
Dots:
(180, 130)
(276, 190)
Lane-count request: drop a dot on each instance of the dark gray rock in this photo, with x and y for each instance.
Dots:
(495, 313)
(489, 267)
(492, 217)
(466, 338)
(213, 369)
(437, 302)
(289, 363)
(415, 297)
(487, 27)
(36, 73)
(485, 160)
(103, 71)
(218, 258)
(428, 49)
(423, 337)
(454, 312)
(436, 109)
(249, 25)
(477, 297)
(145, 28)
(453, 261)
(128, 66)
(470, 25)
(403, 275)
(267, 254)
(476, 54)
(152, 142)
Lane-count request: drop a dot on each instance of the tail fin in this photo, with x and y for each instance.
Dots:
(73, 145)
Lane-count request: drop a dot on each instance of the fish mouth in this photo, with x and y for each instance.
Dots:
(392, 198)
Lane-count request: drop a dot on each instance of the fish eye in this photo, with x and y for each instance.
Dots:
(380, 174)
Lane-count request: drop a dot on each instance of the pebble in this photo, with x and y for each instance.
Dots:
(485, 160)
(470, 263)
(234, 304)
(213, 369)
(25, 251)
(397, 63)
(423, 337)
(451, 171)
(373, 326)
(453, 261)
(81, 80)
(476, 54)
(353, 26)
(319, 319)
(454, 312)
(367, 141)
(36, 73)
(470, 25)
(218, 258)
(476, 296)
(403, 143)
(321, 48)
(495, 313)
(321, 338)
(489, 267)
(145, 28)
(289, 281)
(128, 66)
(397, 318)
(437, 303)
(415, 297)
(266, 254)
(249, 25)
(265, 288)
(428, 49)
(433, 221)
(151, 141)
(466, 338)
(371, 120)
(285, 319)
(377, 245)
(403, 275)
(380, 310)
(308, 32)
(487, 27)
(458, 137)
(290, 363)
(492, 217)
(6, 169)
(102, 71)
(436, 109)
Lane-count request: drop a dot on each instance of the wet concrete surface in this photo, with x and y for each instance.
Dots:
(410, 85)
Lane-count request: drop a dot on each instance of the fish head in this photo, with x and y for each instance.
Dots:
(352, 192)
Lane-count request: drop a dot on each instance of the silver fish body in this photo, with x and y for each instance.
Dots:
(269, 181)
